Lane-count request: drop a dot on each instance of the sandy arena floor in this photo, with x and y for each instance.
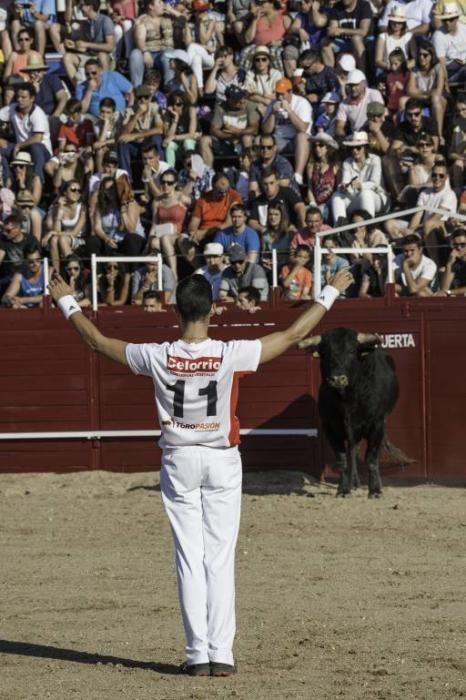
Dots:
(349, 599)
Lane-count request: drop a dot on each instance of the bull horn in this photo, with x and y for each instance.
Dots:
(369, 339)
(311, 342)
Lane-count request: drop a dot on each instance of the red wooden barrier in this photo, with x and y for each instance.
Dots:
(49, 381)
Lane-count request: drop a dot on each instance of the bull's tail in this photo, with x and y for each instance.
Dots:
(396, 455)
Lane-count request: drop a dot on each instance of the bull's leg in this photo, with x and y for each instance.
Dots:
(355, 481)
(344, 485)
(374, 441)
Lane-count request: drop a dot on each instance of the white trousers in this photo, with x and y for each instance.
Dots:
(344, 204)
(201, 491)
(201, 60)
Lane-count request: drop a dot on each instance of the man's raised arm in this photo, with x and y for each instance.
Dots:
(276, 344)
(109, 347)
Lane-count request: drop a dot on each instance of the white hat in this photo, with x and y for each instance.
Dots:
(332, 97)
(325, 138)
(356, 76)
(22, 158)
(450, 10)
(397, 14)
(213, 249)
(347, 62)
(359, 138)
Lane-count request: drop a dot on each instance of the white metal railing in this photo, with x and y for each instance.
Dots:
(387, 250)
(95, 259)
(45, 263)
(102, 434)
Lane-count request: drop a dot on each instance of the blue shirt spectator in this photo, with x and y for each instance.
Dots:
(107, 83)
(240, 234)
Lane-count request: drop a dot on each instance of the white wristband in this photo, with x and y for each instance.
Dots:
(327, 296)
(68, 305)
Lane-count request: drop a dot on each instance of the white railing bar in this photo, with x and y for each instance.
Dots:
(274, 268)
(45, 262)
(102, 434)
(95, 259)
(347, 227)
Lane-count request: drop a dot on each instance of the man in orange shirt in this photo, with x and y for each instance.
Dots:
(212, 211)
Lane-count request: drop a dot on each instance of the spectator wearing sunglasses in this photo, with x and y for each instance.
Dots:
(429, 225)
(74, 274)
(103, 83)
(179, 127)
(415, 126)
(142, 124)
(454, 278)
(113, 285)
(450, 44)
(65, 223)
(261, 79)
(26, 289)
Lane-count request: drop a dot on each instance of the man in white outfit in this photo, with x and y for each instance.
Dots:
(196, 392)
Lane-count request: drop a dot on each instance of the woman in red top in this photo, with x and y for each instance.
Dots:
(323, 170)
(268, 26)
(168, 220)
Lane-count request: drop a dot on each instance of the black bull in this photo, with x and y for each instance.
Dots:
(359, 389)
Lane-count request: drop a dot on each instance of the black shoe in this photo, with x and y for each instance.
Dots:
(219, 669)
(195, 669)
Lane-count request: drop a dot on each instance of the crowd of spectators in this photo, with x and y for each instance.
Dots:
(214, 132)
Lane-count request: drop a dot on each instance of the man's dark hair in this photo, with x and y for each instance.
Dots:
(27, 87)
(412, 239)
(150, 147)
(268, 172)
(238, 207)
(268, 136)
(194, 298)
(73, 105)
(31, 248)
(252, 293)
(92, 62)
(314, 210)
(458, 232)
(16, 218)
(108, 102)
(152, 294)
(413, 103)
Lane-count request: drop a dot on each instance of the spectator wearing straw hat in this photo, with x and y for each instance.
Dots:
(289, 118)
(22, 177)
(450, 44)
(361, 181)
(352, 112)
(440, 10)
(418, 15)
(51, 92)
(396, 37)
(261, 78)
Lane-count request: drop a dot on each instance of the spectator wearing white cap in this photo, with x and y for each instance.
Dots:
(450, 44)
(352, 111)
(213, 269)
(361, 182)
(350, 22)
(345, 64)
(326, 120)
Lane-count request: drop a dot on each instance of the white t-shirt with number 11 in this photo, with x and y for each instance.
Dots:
(196, 387)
